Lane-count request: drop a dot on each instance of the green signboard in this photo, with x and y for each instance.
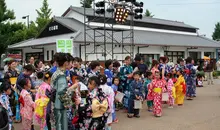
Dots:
(65, 45)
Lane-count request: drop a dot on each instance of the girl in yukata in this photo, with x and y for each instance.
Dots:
(126, 74)
(157, 86)
(5, 90)
(171, 90)
(154, 68)
(41, 95)
(27, 104)
(190, 77)
(110, 96)
(93, 112)
(115, 83)
(108, 71)
(180, 87)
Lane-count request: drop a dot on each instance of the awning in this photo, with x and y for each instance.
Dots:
(41, 41)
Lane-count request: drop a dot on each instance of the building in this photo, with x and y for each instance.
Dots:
(152, 38)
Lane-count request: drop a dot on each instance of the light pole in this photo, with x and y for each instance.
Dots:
(26, 17)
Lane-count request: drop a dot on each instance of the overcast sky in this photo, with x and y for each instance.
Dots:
(203, 14)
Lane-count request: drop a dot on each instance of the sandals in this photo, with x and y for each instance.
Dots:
(129, 115)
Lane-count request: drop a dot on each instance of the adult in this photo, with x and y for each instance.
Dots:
(53, 66)
(126, 73)
(190, 78)
(137, 61)
(142, 67)
(108, 72)
(31, 61)
(19, 66)
(218, 65)
(95, 67)
(208, 69)
(10, 77)
(38, 65)
(59, 83)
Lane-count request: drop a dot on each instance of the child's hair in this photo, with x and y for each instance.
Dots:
(113, 80)
(169, 75)
(61, 58)
(4, 86)
(94, 64)
(23, 82)
(103, 79)
(137, 73)
(77, 59)
(154, 62)
(40, 75)
(147, 74)
(36, 63)
(95, 79)
(116, 64)
(108, 63)
(47, 75)
(29, 68)
(163, 59)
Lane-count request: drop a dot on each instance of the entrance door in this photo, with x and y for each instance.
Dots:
(195, 56)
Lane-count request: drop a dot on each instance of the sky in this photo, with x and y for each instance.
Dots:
(203, 14)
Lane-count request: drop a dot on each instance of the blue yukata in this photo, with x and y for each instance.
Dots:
(53, 69)
(115, 89)
(167, 68)
(4, 101)
(136, 90)
(125, 83)
(109, 74)
(190, 78)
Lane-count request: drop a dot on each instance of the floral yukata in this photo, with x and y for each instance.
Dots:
(190, 78)
(41, 94)
(85, 112)
(171, 92)
(109, 74)
(4, 101)
(180, 90)
(126, 82)
(27, 109)
(157, 86)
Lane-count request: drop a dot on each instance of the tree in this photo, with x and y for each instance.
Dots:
(216, 33)
(43, 16)
(148, 14)
(86, 3)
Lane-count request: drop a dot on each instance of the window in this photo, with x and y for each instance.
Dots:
(52, 54)
(48, 55)
(174, 55)
(209, 54)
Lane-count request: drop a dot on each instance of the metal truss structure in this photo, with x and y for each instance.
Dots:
(107, 36)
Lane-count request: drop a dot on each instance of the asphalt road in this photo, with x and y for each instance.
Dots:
(203, 113)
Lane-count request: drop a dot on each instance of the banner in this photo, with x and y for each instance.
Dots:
(65, 45)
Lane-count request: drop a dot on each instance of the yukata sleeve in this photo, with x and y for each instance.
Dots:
(6, 105)
(108, 76)
(150, 91)
(122, 75)
(142, 91)
(28, 100)
(178, 82)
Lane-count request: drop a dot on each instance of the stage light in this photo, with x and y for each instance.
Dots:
(138, 16)
(137, 4)
(138, 10)
(119, 14)
(110, 10)
(100, 11)
(100, 4)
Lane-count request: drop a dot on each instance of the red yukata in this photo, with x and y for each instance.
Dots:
(157, 86)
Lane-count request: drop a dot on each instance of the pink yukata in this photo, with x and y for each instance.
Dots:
(41, 93)
(170, 89)
(156, 88)
(26, 109)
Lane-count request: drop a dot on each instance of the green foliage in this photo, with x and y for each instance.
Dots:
(86, 3)
(44, 15)
(216, 33)
(148, 14)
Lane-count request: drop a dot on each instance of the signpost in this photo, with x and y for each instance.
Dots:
(65, 45)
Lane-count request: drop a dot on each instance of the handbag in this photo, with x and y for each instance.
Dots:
(165, 97)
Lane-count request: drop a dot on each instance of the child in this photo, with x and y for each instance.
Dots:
(4, 100)
(180, 86)
(115, 83)
(156, 88)
(39, 81)
(41, 96)
(147, 81)
(27, 104)
(199, 82)
(110, 96)
(136, 93)
(171, 90)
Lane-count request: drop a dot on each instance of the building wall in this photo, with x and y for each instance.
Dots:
(154, 50)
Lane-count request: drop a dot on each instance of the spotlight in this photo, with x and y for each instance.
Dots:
(100, 11)
(119, 14)
(100, 4)
(138, 10)
(138, 16)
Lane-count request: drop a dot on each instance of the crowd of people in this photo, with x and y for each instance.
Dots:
(71, 95)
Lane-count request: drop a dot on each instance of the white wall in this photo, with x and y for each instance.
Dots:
(75, 15)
